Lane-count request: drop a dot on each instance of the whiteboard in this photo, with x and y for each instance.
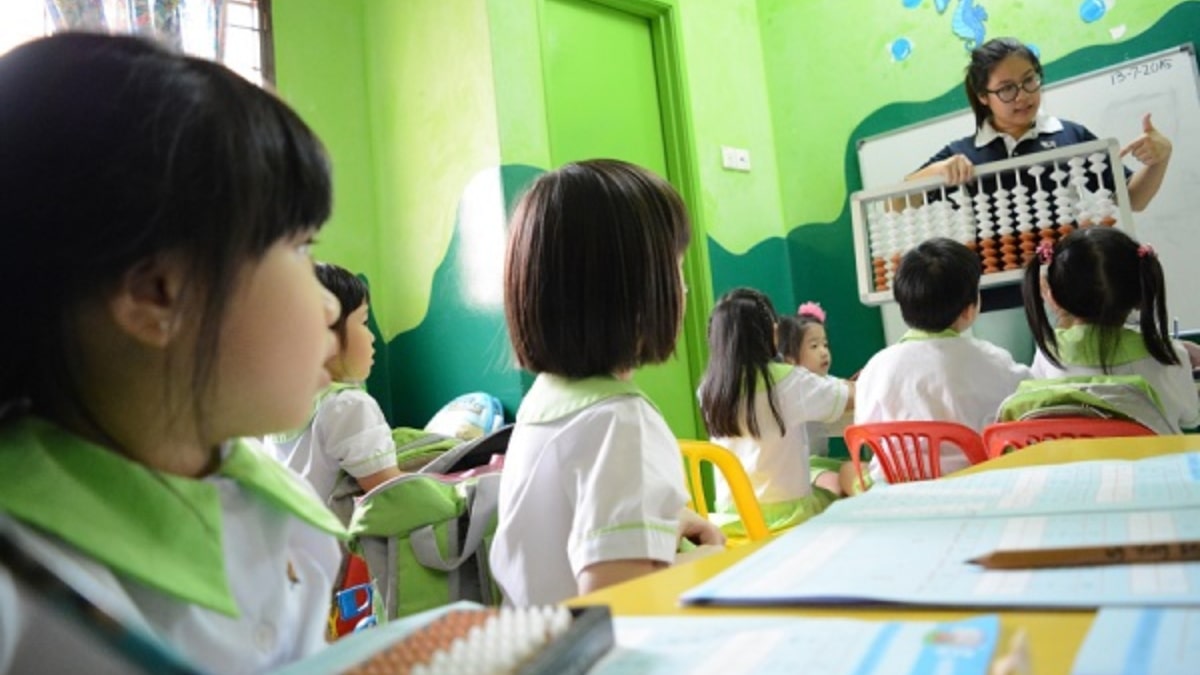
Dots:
(1110, 102)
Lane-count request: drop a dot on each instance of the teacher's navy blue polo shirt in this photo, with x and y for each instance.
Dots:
(990, 145)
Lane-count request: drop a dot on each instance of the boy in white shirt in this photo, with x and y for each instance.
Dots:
(934, 372)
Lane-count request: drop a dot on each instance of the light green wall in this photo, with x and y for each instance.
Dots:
(729, 104)
(432, 128)
(321, 71)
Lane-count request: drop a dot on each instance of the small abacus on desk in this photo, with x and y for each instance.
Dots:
(523, 641)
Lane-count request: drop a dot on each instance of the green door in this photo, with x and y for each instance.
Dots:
(602, 100)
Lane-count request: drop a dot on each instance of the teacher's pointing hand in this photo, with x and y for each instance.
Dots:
(1151, 147)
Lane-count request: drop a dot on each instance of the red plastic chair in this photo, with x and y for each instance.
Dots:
(912, 450)
(1017, 435)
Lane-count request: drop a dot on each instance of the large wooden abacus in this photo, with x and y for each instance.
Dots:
(1002, 213)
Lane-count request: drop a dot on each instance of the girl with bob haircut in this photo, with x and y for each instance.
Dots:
(593, 491)
(165, 208)
(1094, 279)
(758, 409)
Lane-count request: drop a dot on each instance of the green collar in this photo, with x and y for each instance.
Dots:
(1079, 345)
(913, 335)
(552, 397)
(159, 529)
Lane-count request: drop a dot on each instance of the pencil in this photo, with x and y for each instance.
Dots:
(1167, 551)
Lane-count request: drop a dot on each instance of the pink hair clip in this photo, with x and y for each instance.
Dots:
(1045, 251)
(812, 309)
(1145, 250)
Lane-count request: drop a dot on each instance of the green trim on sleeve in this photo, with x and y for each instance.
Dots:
(625, 527)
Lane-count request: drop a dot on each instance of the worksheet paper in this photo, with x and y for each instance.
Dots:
(860, 555)
(721, 645)
(1141, 641)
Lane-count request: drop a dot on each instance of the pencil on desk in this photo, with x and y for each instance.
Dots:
(1167, 551)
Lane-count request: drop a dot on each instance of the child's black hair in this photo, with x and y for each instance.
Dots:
(741, 347)
(1099, 275)
(350, 291)
(936, 281)
(592, 282)
(114, 149)
(789, 334)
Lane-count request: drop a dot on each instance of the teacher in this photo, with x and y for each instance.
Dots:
(1004, 87)
(1003, 84)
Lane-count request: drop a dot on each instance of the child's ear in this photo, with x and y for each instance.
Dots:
(148, 297)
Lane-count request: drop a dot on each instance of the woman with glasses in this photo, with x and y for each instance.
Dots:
(1004, 87)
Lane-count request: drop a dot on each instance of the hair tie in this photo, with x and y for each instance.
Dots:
(1146, 250)
(812, 309)
(1045, 251)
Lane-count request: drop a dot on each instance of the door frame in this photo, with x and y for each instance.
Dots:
(682, 172)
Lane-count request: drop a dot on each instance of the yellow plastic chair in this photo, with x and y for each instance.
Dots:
(696, 452)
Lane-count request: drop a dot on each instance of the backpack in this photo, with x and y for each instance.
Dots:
(1127, 397)
(425, 536)
(468, 416)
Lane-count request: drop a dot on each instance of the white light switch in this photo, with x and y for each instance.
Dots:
(735, 159)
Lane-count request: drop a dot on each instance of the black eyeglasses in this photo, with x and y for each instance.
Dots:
(1008, 93)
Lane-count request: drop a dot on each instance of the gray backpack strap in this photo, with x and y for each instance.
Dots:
(483, 496)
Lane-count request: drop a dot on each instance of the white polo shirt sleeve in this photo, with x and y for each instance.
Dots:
(809, 397)
(355, 434)
(626, 482)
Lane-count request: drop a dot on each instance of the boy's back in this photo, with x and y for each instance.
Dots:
(937, 377)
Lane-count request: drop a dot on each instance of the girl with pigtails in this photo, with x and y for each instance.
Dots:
(1093, 280)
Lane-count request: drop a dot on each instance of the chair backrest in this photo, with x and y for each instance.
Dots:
(697, 452)
(911, 450)
(1017, 435)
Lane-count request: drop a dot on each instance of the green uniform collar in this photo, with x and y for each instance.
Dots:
(552, 397)
(1079, 345)
(159, 529)
(913, 335)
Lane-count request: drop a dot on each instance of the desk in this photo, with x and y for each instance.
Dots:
(1053, 636)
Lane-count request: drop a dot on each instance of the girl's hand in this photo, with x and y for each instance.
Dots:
(956, 170)
(1151, 147)
(699, 530)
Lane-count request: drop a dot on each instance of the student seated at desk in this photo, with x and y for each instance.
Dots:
(593, 491)
(1093, 280)
(759, 408)
(935, 372)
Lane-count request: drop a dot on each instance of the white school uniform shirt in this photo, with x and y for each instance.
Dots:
(592, 474)
(233, 572)
(777, 462)
(347, 432)
(936, 376)
(1078, 350)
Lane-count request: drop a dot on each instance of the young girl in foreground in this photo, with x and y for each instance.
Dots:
(593, 490)
(348, 431)
(1093, 280)
(159, 210)
(758, 409)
